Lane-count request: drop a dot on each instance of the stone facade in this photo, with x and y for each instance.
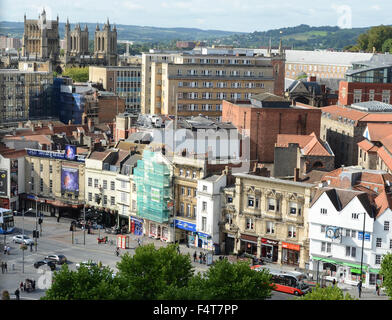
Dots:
(267, 218)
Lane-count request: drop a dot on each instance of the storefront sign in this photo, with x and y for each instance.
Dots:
(204, 235)
(291, 246)
(185, 225)
(249, 238)
(3, 182)
(267, 241)
(54, 155)
(136, 219)
(367, 236)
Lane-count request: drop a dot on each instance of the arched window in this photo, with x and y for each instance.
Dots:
(103, 44)
(99, 44)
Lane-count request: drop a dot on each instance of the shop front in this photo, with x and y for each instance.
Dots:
(185, 232)
(290, 253)
(205, 241)
(136, 226)
(269, 250)
(248, 244)
(229, 243)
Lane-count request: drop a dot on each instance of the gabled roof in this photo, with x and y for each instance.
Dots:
(310, 145)
(367, 146)
(383, 202)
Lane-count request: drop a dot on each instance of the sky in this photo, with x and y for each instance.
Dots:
(227, 15)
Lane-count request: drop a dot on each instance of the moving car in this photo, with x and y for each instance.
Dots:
(40, 263)
(22, 239)
(57, 258)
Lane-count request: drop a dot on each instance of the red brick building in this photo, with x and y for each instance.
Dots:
(354, 92)
(267, 116)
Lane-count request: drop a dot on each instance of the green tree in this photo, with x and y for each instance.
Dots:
(77, 74)
(387, 46)
(375, 38)
(87, 283)
(386, 273)
(150, 272)
(226, 281)
(327, 293)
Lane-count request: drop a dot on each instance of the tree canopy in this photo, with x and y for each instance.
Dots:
(160, 274)
(386, 272)
(326, 293)
(377, 38)
(77, 74)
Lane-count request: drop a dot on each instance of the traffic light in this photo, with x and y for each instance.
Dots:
(39, 220)
(35, 234)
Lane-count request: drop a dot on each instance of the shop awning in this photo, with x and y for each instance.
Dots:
(356, 271)
(374, 270)
(355, 266)
(326, 260)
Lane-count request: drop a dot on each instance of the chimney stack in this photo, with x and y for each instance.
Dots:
(296, 174)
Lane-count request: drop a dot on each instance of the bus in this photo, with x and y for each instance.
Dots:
(285, 281)
(6, 221)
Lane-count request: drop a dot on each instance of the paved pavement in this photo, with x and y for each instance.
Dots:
(56, 238)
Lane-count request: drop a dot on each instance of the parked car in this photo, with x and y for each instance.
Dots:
(40, 263)
(22, 239)
(57, 258)
(113, 230)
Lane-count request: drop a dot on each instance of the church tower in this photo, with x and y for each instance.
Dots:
(105, 44)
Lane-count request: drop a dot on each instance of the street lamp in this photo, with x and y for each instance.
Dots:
(36, 218)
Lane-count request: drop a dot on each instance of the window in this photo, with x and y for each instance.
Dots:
(322, 229)
(90, 196)
(90, 182)
(203, 224)
(105, 200)
(112, 185)
(229, 199)
(323, 246)
(390, 244)
(271, 204)
(205, 188)
(181, 208)
(194, 174)
(353, 234)
(112, 200)
(41, 167)
(50, 168)
(41, 185)
(378, 259)
(133, 205)
(293, 207)
(270, 227)
(378, 242)
(323, 211)
(355, 216)
(182, 190)
(50, 186)
(123, 196)
(181, 172)
(189, 192)
(353, 252)
(386, 225)
(133, 187)
(251, 202)
(204, 206)
(105, 184)
(188, 210)
(249, 224)
(328, 247)
(95, 183)
(348, 251)
(187, 173)
(291, 232)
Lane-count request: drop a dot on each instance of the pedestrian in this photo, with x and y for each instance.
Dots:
(17, 294)
(5, 266)
(2, 267)
(194, 256)
(5, 249)
(178, 249)
(333, 282)
(377, 289)
(33, 285)
(200, 257)
(8, 250)
(204, 258)
(31, 247)
(58, 218)
(359, 285)
(21, 286)
(24, 286)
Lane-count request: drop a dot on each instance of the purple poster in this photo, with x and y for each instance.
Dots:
(70, 152)
(69, 179)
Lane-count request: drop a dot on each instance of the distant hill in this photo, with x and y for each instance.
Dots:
(300, 37)
(131, 33)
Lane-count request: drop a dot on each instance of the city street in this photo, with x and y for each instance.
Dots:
(57, 239)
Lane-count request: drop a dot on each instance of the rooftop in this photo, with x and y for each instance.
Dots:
(372, 106)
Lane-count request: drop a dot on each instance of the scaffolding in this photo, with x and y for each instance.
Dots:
(153, 187)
